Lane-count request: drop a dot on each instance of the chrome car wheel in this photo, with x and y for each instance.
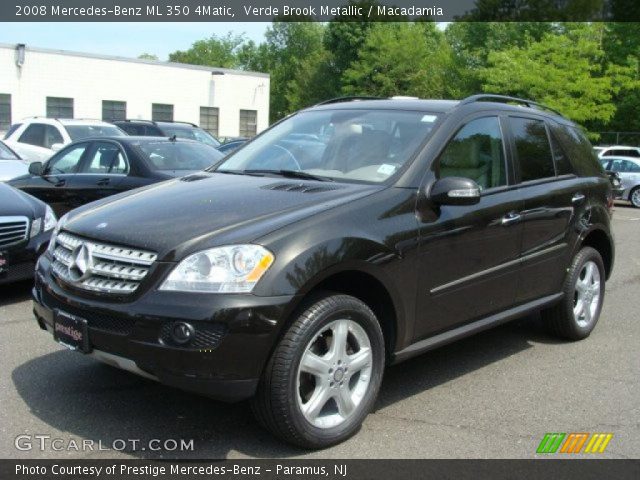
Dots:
(334, 374)
(635, 197)
(587, 294)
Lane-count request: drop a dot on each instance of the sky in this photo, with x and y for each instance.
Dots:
(123, 39)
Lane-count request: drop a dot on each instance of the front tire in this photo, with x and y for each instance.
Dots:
(577, 314)
(323, 377)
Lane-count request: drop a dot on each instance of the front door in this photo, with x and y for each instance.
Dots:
(469, 255)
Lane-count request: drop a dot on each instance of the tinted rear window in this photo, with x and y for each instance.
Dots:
(168, 155)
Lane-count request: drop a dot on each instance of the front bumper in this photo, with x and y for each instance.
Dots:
(234, 334)
(19, 262)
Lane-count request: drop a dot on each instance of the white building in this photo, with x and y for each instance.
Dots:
(63, 84)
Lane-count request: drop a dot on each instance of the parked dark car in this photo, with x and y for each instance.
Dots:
(231, 146)
(150, 128)
(293, 280)
(26, 224)
(92, 169)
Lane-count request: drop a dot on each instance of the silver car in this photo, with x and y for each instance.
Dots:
(629, 170)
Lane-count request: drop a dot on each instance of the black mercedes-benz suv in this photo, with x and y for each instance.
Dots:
(351, 235)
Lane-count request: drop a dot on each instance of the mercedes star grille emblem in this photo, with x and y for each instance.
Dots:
(81, 264)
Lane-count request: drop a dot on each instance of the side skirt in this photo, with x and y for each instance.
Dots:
(474, 327)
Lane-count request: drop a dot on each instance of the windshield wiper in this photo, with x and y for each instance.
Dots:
(255, 173)
(290, 174)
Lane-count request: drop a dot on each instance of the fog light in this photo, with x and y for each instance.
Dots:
(182, 333)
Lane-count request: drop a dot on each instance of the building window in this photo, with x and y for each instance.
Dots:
(5, 111)
(58, 107)
(161, 112)
(209, 119)
(248, 123)
(113, 111)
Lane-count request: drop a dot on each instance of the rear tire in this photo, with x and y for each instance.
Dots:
(634, 197)
(576, 315)
(323, 377)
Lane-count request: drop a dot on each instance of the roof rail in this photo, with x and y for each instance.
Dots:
(136, 120)
(346, 99)
(186, 123)
(507, 99)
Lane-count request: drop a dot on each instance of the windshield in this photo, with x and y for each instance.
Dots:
(77, 132)
(191, 134)
(360, 145)
(6, 153)
(168, 155)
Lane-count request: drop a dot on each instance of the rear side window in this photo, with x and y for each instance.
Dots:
(622, 152)
(33, 135)
(106, 158)
(476, 152)
(563, 164)
(532, 149)
(575, 143)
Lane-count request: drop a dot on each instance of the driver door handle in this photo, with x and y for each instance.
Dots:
(510, 218)
(61, 183)
(103, 182)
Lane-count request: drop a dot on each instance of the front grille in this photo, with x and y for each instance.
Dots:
(95, 320)
(99, 267)
(207, 335)
(13, 230)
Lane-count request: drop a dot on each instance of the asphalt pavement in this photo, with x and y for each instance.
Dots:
(493, 395)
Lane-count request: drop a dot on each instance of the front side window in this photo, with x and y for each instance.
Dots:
(52, 136)
(532, 149)
(59, 107)
(345, 145)
(162, 112)
(5, 111)
(171, 156)
(107, 158)
(248, 123)
(113, 111)
(67, 160)
(477, 153)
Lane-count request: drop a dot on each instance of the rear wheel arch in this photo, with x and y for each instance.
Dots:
(603, 243)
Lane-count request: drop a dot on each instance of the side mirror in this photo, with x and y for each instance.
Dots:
(455, 191)
(57, 146)
(36, 168)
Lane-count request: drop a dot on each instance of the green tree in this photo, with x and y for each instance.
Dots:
(402, 59)
(566, 71)
(147, 56)
(215, 51)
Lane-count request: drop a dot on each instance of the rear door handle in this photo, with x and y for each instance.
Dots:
(104, 181)
(510, 218)
(577, 198)
(61, 183)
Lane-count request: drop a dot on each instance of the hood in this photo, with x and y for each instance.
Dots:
(13, 202)
(207, 209)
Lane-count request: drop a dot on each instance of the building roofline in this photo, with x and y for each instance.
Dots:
(98, 56)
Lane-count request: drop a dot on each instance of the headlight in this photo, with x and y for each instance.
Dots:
(231, 269)
(56, 230)
(43, 224)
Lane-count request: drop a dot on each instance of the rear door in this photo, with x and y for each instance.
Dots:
(554, 200)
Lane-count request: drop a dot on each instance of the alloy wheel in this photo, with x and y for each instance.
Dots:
(635, 198)
(587, 294)
(334, 374)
